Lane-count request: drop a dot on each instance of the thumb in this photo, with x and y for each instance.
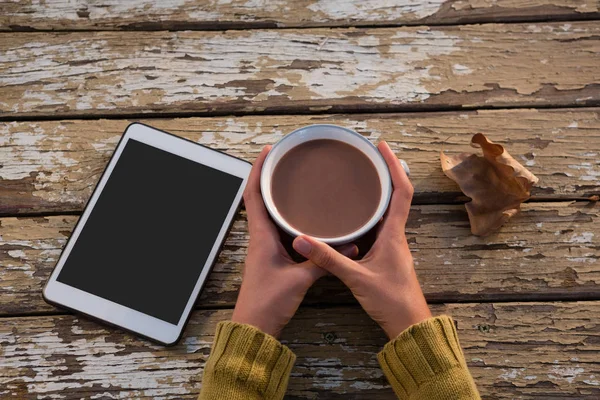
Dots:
(324, 256)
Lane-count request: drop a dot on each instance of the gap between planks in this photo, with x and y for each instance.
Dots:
(222, 27)
(370, 109)
(332, 306)
(417, 202)
(537, 199)
(261, 14)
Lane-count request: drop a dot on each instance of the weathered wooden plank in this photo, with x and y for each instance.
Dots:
(514, 350)
(53, 166)
(118, 73)
(25, 15)
(550, 251)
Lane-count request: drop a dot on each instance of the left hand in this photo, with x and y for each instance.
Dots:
(384, 282)
(273, 285)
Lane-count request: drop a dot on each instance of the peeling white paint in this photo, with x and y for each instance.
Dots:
(584, 237)
(360, 385)
(110, 8)
(105, 395)
(23, 153)
(460, 69)
(379, 9)
(76, 329)
(327, 385)
(509, 374)
(583, 260)
(94, 353)
(20, 138)
(16, 253)
(207, 138)
(592, 381)
(355, 65)
(107, 145)
(568, 374)
(368, 41)
(530, 162)
(193, 344)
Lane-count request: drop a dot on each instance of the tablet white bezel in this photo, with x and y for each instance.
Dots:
(117, 314)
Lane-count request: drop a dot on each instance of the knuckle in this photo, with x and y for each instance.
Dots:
(407, 191)
(358, 278)
(410, 190)
(325, 259)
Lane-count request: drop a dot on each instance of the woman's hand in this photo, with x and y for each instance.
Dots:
(384, 281)
(273, 285)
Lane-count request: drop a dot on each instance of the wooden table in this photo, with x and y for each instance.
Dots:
(239, 74)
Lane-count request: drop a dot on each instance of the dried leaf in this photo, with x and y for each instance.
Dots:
(496, 183)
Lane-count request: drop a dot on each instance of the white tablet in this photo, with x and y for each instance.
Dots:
(150, 233)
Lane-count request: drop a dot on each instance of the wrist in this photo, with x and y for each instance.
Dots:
(402, 322)
(255, 319)
(408, 312)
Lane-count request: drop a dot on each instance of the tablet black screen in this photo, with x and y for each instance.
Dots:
(151, 231)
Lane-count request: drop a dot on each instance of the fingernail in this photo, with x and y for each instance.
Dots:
(302, 246)
(405, 167)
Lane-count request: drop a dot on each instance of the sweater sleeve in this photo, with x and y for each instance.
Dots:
(426, 362)
(246, 364)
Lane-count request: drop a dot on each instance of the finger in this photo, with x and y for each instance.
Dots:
(399, 177)
(306, 273)
(325, 257)
(348, 250)
(399, 207)
(259, 222)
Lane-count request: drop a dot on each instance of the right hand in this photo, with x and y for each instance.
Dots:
(384, 281)
(273, 285)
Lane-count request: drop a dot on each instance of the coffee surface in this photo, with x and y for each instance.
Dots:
(326, 188)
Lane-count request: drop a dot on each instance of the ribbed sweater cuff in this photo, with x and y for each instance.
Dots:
(246, 363)
(424, 355)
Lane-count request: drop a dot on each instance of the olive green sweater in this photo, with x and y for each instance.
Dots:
(423, 362)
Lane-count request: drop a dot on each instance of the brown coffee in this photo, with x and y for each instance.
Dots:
(326, 188)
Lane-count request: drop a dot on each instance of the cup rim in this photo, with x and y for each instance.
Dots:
(385, 180)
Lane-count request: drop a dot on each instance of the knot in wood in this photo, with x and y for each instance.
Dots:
(329, 337)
